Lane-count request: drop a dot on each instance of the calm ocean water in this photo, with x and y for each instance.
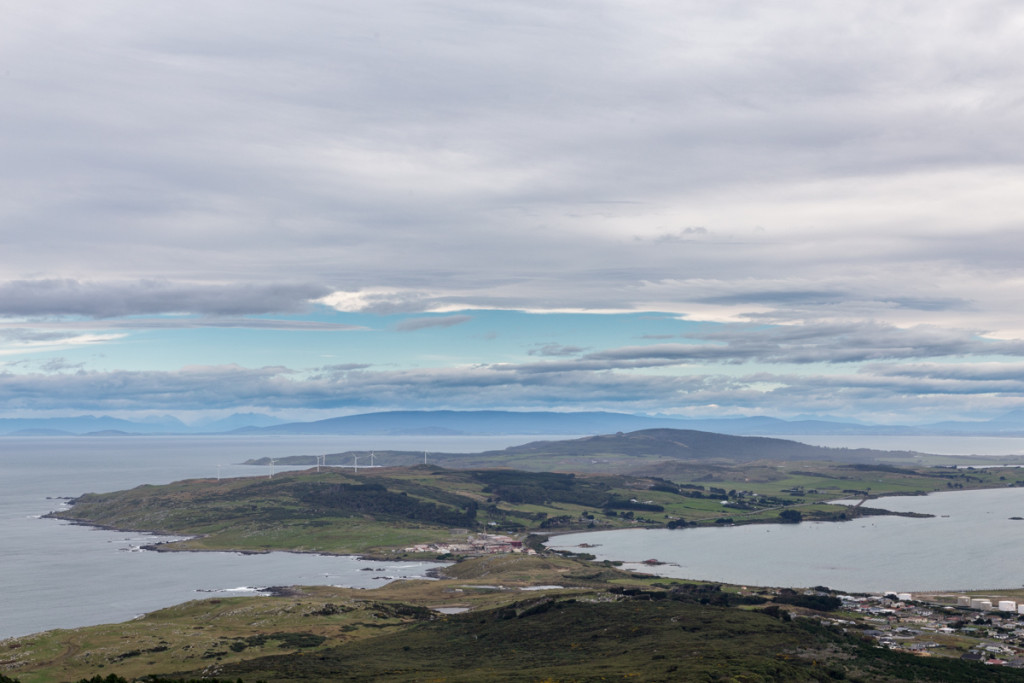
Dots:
(59, 575)
(970, 543)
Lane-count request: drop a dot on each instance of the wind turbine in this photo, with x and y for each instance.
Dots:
(271, 469)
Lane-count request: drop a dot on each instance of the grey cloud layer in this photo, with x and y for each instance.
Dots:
(356, 388)
(800, 345)
(49, 297)
(834, 183)
(454, 152)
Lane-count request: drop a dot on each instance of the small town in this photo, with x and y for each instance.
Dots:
(479, 544)
(988, 630)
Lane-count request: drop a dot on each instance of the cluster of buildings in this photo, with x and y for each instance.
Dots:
(986, 605)
(480, 544)
(976, 629)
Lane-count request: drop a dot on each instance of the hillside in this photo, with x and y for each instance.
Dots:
(671, 453)
(580, 622)
(688, 444)
(660, 635)
(374, 510)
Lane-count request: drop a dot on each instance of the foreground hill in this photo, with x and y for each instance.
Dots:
(658, 636)
(580, 622)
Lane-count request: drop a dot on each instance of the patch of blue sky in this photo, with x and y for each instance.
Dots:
(324, 337)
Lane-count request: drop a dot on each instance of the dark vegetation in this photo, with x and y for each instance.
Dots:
(112, 678)
(817, 602)
(679, 634)
(791, 516)
(374, 499)
(539, 488)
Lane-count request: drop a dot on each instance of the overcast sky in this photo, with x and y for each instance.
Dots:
(692, 207)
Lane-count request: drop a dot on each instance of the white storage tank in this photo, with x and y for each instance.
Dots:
(905, 597)
(963, 601)
(981, 603)
(1007, 606)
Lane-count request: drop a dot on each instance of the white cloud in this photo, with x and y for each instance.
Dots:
(374, 299)
(50, 343)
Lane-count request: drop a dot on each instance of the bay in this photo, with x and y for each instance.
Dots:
(970, 543)
(59, 575)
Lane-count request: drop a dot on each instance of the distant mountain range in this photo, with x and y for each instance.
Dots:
(480, 422)
(446, 422)
(92, 425)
